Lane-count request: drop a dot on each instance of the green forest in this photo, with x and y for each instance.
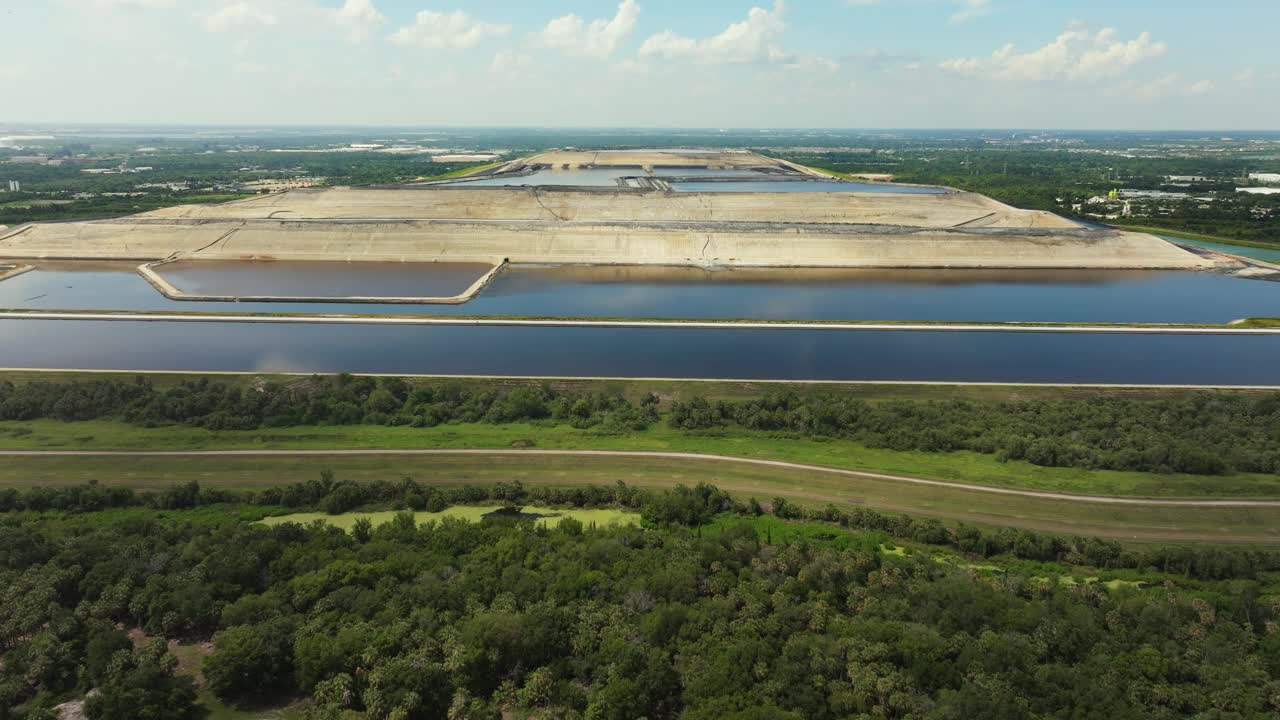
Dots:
(1197, 433)
(713, 609)
(1055, 180)
(48, 191)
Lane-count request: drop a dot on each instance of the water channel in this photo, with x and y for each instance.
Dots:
(803, 186)
(695, 179)
(320, 279)
(680, 353)
(667, 292)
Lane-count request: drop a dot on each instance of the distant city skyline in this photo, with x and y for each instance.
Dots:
(1085, 64)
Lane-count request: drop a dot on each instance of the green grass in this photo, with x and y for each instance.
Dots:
(1126, 523)
(672, 389)
(1200, 236)
(774, 530)
(1259, 322)
(460, 172)
(217, 710)
(963, 466)
(190, 659)
(600, 517)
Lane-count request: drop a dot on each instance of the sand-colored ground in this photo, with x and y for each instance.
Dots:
(610, 226)
(9, 271)
(724, 244)
(610, 205)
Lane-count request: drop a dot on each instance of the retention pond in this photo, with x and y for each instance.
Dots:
(770, 186)
(322, 279)
(1082, 296)
(630, 352)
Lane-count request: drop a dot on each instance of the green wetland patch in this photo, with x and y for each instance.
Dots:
(545, 517)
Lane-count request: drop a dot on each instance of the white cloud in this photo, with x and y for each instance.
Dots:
(1109, 55)
(1250, 77)
(1163, 87)
(1076, 54)
(238, 16)
(446, 78)
(172, 62)
(970, 10)
(1151, 90)
(510, 62)
(597, 39)
(250, 68)
(878, 60)
(809, 63)
(751, 40)
(359, 18)
(631, 66)
(124, 4)
(455, 30)
(1200, 87)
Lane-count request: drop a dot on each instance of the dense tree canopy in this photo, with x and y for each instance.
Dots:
(664, 621)
(1197, 433)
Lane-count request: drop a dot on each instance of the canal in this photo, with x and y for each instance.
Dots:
(1084, 296)
(612, 352)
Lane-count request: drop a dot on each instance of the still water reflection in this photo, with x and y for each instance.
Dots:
(322, 279)
(686, 353)
(803, 186)
(651, 292)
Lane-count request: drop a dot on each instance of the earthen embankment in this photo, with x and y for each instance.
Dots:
(612, 226)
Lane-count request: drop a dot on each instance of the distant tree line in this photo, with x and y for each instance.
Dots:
(682, 506)
(1202, 434)
(1197, 433)
(1056, 180)
(336, 400)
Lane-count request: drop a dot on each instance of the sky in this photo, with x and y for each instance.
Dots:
(1068, 64)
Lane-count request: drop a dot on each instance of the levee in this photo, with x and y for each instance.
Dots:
(629, 243)
(623, 226)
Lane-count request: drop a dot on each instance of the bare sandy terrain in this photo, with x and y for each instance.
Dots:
(610, 205)
(610, 226)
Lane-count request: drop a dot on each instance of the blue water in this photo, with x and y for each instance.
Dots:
(576, 178)
(579, 291)
(1264, 254)
(803, 186)
(322, 279)
(602, 177)
(684, 353)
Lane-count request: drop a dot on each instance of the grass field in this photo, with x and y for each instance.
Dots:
(190, 658)
(634, 389)
(460, 172)
(1200, 236)
(966, 467)
(1136, 523)
(1131, 523)
(1260, 322)
(470, 513)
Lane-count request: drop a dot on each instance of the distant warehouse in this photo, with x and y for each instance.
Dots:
(1265, 177)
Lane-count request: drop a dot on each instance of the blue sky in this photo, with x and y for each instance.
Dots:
(706, 63)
